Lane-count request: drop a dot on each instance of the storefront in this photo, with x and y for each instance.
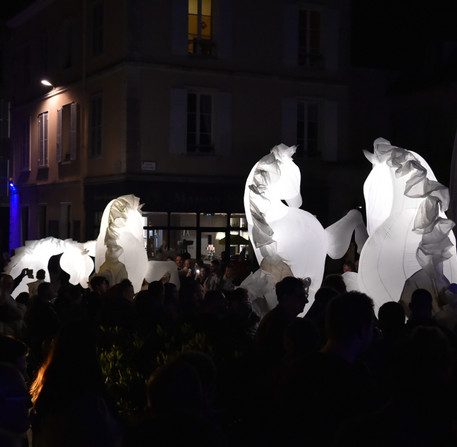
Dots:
(182, 216)
(206, 235)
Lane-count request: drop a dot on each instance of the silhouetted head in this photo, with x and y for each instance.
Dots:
(23, 298)
(157, 290)
(391, 318)
(292, 294)
(6, 282)
(41, 274)
(421, 303)
(99, 284)
(126, 290)
(334, 281)
(350, 315)
(45, 291)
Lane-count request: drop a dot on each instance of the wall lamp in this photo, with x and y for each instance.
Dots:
(46, 83)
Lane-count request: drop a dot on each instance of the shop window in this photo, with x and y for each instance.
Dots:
(156, 219)
(238, 221)
(199, 27)
(43, 139)
(183, 219)
(213, 219)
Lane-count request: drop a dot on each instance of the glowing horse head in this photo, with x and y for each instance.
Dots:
(119, 248)
(287, 240)
(406, 221)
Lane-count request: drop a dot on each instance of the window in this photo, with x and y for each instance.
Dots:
(67, 132)
(96, 111)
(309, 44)
(307, 128)
(199, 122)
(169, 234)
(97, 31)
(312, 123)
(43, 139)
(24, 162)
(199, 27)
(66, 44)
(43, 53)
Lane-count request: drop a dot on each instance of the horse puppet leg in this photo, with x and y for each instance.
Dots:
(339, 234)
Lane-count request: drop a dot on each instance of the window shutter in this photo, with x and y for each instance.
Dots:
(330, 131)
(27, 143)
(289, 121)
(40, 141)
(46, 139)
(178, 121)
(59, 136)
(73, 130)
(224, 20)
(223, 139)
(179, 27)
(290, 36)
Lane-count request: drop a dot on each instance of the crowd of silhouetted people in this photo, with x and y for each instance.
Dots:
(213, 372)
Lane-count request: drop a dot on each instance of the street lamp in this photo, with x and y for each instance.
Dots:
(46, 83)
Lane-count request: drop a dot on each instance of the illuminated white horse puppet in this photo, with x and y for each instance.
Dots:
(76, 259)
(119, 252)
(287, 240)
(410, 242)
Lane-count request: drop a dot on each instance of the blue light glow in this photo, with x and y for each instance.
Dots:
(15, 218)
